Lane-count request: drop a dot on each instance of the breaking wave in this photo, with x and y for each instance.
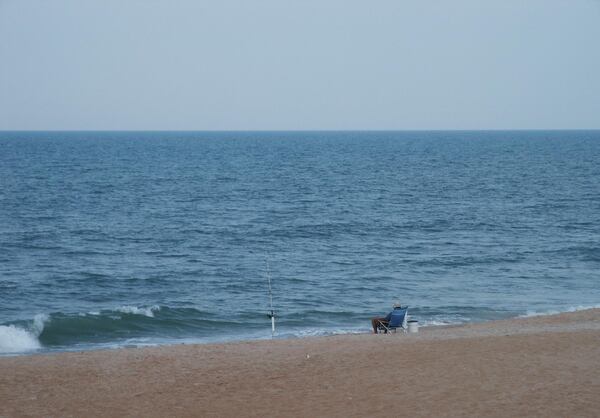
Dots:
(16, 339)
(64, 329)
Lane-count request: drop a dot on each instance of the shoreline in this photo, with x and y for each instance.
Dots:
(543, 365)
(255, 336)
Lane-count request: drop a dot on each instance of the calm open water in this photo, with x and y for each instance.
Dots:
(116, 238)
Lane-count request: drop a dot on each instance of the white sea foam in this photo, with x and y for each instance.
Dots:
(16, 340)
(437, 323)
(318, 332)
(134, 310)
(558, 311)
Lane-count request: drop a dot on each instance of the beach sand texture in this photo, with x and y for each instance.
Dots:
(541, 366)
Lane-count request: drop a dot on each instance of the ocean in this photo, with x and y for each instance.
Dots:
(111, 239)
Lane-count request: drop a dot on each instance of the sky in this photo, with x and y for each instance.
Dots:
(299, 64)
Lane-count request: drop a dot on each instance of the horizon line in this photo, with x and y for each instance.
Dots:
(308, 130)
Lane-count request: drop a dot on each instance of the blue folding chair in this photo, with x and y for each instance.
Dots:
(398, 320)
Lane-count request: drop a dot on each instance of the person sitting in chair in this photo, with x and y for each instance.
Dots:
(385, 320)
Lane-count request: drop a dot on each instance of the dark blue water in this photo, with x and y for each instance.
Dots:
(139, 238)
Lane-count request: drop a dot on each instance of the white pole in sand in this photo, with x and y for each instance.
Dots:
(272, 313)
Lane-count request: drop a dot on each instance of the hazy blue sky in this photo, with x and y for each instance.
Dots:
(303, 64)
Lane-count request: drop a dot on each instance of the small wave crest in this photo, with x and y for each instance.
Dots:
(134, 310)
(529, 314)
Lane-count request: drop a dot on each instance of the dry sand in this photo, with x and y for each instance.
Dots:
(544, 366)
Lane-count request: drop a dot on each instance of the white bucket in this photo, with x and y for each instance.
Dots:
(413, 326)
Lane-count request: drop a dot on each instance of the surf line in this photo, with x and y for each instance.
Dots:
(271, 313)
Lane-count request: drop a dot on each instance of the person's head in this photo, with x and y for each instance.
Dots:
(397, 305)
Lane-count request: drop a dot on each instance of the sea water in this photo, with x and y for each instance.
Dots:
(132, 238)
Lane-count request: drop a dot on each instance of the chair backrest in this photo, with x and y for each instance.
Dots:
(398, 317)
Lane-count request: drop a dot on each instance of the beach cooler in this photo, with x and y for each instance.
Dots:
(413, 326)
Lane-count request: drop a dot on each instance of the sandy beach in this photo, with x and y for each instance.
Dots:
(539, 366)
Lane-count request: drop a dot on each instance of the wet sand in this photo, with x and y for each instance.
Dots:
(543, 366)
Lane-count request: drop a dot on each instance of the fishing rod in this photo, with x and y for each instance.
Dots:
(271, 313)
